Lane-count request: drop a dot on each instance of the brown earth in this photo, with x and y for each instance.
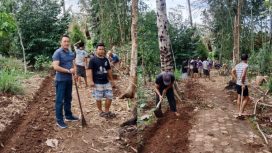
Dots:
(28, 132)
(170, 133)
(29, 129)
(206, 125)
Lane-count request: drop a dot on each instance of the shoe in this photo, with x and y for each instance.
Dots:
(72, 118)
(62, 125)
(110, 115)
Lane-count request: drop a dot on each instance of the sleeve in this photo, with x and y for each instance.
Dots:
(117, 58)
(85, 54)
(56, 56)
(108, 65)
(91, 63)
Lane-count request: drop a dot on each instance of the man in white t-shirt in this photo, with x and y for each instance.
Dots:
(206, 69)
(81, 63)
(240, 74)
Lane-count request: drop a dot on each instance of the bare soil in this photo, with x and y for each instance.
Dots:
(170, 133)
(28, 131)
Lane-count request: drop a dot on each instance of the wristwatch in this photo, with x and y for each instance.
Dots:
(68, 71)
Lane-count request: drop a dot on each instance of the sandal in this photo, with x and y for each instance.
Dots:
(102, 114)
(241, 117)
(110, 115)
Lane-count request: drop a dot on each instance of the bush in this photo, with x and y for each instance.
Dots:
(9, 83)
(261, 61)
(42, 62)
(11, 64)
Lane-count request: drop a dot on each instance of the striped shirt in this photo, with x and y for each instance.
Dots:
(239, 73)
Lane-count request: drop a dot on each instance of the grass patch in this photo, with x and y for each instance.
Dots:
(12, 73)
(9, 83)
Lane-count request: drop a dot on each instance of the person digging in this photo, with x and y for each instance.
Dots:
(164, 86)
(239, 73)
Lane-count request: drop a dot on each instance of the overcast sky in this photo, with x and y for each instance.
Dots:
(196, 13)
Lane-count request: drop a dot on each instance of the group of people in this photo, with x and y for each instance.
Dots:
(68, 64)
(196, 68)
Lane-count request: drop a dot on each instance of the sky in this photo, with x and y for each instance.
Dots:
(196, 13)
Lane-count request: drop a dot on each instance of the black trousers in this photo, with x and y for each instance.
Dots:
(170, 97)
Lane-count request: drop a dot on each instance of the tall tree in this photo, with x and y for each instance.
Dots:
(109, 20)
(44, 18)
(163, 36)
(236, 33)
(190, 13)
(133, 65)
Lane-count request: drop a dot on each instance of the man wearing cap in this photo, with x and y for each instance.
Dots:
(164, 86)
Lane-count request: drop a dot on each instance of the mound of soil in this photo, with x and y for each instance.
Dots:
(28, 131)
(169, 134)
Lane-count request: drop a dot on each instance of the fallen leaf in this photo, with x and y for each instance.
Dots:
(52, 143)
(145, 117)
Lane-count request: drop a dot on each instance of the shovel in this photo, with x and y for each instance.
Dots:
(83, 121)
(242, 95)
(157, 111)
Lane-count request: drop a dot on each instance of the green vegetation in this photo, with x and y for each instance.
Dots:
(11, 73)
(75, 34)
(42, 63)
(9, 83)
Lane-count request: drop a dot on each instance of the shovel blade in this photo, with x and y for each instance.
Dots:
(158, 113)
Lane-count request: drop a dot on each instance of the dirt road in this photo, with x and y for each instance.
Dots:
(28, 133)
(207, 126)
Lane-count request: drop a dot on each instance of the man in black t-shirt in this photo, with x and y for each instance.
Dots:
(164, 86)
(100, 73)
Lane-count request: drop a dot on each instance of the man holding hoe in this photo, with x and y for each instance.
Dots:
(164, 86)
(63, 65)
(239, 73)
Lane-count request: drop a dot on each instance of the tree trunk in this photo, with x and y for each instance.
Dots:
(190, 13)
(163, 36)
(119, 21)
(130, 92)
(236, 34)
(63, 6)
(143, 69)
(167, 60)
(22, 45)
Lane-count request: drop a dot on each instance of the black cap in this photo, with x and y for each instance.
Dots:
(167, 78)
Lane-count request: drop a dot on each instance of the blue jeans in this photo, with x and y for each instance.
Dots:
(63, 99)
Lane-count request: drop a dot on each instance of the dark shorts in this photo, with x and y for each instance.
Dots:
(239, 90)
(195, 70)
(81, 71)
(206, 72)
